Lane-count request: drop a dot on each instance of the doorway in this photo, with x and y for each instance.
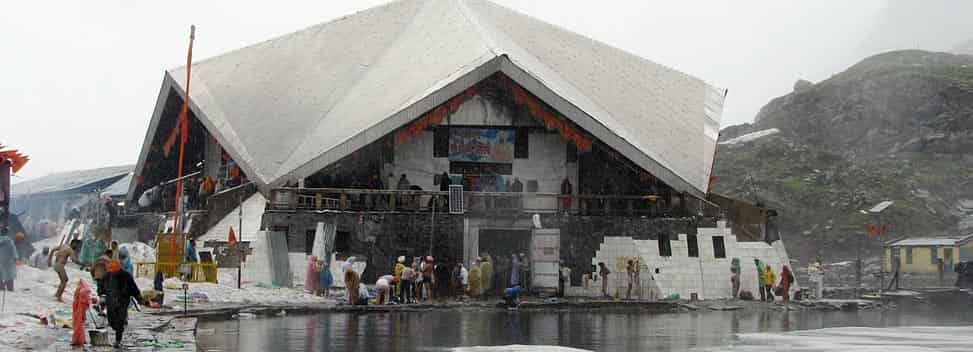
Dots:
(501, 244)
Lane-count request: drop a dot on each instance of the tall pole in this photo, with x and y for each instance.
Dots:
(239, 267)
(881, 240)
(183, 134)
(858, 268)
(432, 224)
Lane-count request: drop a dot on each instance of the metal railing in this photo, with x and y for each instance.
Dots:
(342, 199)
(198, 272)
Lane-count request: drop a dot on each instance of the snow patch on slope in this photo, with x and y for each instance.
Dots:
(749, 137)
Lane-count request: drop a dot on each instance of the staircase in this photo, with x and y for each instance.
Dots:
(254, 270)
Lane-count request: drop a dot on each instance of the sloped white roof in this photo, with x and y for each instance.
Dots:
(120, 187)
(287, 107)
(68, 180)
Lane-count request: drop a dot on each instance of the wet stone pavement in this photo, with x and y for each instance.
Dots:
(145, 332)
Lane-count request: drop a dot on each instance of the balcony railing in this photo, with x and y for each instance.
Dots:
(342, 199)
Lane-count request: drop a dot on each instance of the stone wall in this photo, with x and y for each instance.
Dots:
(379, 238)
(582, 236)
(705, 275)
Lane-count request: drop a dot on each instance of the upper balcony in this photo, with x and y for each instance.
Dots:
(487, 203)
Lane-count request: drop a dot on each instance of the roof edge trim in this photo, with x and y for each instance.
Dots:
(160, 104)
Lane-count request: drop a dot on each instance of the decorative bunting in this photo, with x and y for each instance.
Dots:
(521, 97)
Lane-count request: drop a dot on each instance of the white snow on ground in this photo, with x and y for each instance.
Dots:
(751, 136)
(859, 339)
(34, 294)
(226, 292)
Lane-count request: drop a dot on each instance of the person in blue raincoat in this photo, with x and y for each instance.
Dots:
(8, 263)
(191, 255)
(126, 260)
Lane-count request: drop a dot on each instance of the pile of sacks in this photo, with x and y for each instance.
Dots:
(140, 252)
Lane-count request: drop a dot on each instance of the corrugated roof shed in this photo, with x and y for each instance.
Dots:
(931, 241)
(69, 181)
(287, 107)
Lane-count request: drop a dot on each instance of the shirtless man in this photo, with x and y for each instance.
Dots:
(61, 255)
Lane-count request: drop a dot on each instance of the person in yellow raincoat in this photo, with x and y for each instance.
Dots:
(399, 266)
(476, 280)
(768, 281)
(486, 275)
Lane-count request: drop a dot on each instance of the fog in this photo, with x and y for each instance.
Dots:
(80, 79)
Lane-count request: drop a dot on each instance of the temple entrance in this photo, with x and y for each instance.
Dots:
(501, 245)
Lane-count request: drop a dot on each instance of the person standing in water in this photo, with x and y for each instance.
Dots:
(735, 277)
(768, 281)
(514, 270)
(632, 271)
(486, 275)
(760, 279)
(786, 279)
(604, 272)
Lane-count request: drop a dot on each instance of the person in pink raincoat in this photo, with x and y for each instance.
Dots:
(311, 279)
(82, 300)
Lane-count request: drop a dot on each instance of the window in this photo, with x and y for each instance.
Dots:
(521, 150)
(693, 246)
(572, 152)
(440, 142)
(908, 255)
(342, 241)
(719, 249)
(309, 241)
(665, 250)
(934, 255)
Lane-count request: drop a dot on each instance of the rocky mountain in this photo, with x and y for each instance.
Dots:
(896, 126)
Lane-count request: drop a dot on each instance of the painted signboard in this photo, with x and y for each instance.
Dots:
(481, 145)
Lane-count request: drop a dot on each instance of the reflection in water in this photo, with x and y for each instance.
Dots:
(940, 338)
(602, 331)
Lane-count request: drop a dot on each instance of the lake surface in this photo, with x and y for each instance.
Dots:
(441, 330)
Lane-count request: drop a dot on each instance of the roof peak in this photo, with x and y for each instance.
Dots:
(288, 106)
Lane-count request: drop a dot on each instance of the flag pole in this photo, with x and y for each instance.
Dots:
(183, 121)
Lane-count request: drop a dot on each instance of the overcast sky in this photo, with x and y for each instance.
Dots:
(79, 79)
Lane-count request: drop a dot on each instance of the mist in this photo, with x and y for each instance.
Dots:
(80, 82)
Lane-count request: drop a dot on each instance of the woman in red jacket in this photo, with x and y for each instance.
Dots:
(786, 279)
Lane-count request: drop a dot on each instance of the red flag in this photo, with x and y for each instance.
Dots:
(872, 230)
(171, 140)
(232, 240)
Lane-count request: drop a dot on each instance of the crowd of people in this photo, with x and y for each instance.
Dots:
(770, 285)
(424, 280)
(112, 274)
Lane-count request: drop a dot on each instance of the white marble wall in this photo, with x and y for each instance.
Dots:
(547, 162)
(707, 276)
